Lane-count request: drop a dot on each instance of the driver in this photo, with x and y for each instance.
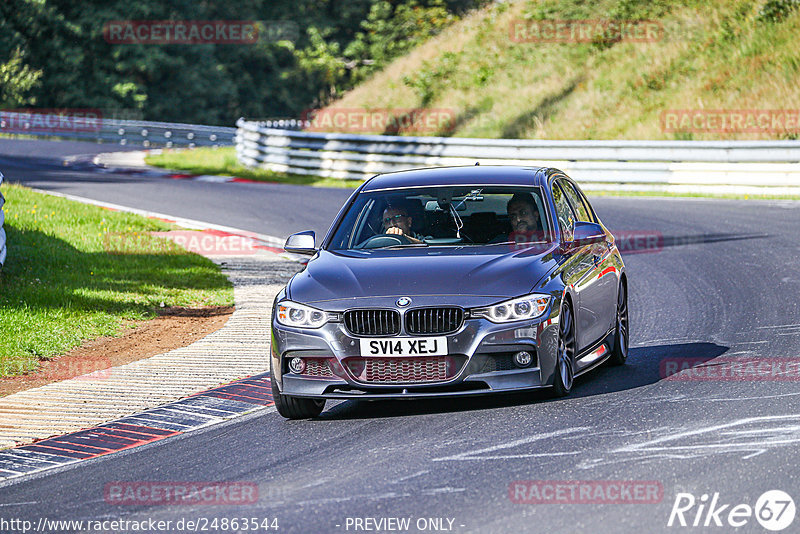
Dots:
(397, 221)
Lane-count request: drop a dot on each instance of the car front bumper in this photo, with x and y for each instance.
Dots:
(483, 351)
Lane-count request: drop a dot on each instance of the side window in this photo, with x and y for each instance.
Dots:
(586, 203)
(566, 217)
(584, 214)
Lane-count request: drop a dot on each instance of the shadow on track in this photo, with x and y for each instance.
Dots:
(644, 367)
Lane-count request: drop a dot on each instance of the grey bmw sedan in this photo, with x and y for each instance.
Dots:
(447, 282)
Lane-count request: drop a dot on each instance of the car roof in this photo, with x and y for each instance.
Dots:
(467, 175)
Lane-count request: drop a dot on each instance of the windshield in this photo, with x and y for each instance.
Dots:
(443, 216)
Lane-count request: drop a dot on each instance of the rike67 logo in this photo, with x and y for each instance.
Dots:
(774, 510)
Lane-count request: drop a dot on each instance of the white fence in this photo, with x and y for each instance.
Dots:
(93, 127)
(759, 167)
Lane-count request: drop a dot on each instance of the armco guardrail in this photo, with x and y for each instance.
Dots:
(3, 249)
(597, 164)
(124, 132)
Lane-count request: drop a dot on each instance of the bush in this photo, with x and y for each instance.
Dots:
(777, 10)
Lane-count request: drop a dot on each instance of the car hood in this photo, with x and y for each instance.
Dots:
(495, 272)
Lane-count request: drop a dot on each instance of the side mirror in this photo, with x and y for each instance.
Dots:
(586, 233)
(301, 243)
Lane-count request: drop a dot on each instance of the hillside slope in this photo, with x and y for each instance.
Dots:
(726, 55)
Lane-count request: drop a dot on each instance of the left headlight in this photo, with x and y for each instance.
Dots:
(299, 315)
(518, 309)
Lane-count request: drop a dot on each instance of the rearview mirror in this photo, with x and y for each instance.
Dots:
(586, 233)
(433, 205)
(301, 243)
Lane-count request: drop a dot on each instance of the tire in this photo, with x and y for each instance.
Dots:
(619, 354)
(295, 407)
(565, 357)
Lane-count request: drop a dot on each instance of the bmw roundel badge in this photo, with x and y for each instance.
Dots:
(403, 302)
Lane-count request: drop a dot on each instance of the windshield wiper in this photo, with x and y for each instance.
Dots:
(408, 245)
(517, 243)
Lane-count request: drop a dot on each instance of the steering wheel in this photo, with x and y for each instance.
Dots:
(384, 240)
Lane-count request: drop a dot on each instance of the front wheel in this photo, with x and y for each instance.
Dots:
(565, 359)
(295, 407)
(622, 334)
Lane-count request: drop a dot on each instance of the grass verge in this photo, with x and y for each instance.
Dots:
(500, 78)
(67, 279)
(222, 161)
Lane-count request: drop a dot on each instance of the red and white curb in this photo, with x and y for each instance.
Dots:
(198, 411)
(79, 409)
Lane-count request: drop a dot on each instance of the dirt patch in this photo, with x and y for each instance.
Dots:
(174, 328)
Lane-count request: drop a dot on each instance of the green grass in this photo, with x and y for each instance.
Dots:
(715, 54)
(222, 161)
(76, 272)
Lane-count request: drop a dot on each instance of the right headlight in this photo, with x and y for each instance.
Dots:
(302, 316)
(518, 309)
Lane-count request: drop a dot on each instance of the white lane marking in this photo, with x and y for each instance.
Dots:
(748, 398)
(409, 477)
(726, 437)
(272, 241)
(737, 437)
(371, 497)
(440, 491)
(328, 500)
(213, 178)
(475, 455)
(318, 482)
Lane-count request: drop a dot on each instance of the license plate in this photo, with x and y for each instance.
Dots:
(404, 346)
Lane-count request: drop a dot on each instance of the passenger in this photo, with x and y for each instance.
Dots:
(526, 221)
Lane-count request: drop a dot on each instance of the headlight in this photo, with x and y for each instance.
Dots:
(519, 309)
(294, 314)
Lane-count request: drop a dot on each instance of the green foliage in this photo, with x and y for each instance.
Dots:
(432, 77)
(777, 10)
(391, 31)
(16, 82)
(60, 58)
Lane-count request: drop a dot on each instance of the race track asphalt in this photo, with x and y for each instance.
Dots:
(723, 283)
